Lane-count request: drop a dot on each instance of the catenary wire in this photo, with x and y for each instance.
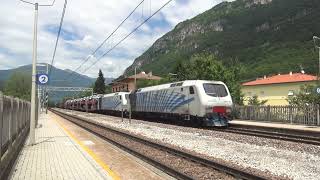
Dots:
(105, 40)
(57, 39)
(134, 30)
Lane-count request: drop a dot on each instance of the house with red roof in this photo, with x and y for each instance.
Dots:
(276, 89)
(127, 84)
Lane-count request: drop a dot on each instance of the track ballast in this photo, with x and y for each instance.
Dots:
(176, 163)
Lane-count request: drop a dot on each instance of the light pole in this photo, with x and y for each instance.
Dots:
(34, 70)
(172, 74)
(135, 77)
(315, 45)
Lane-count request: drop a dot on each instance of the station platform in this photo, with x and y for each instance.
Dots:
(292, 127)
(56, 155)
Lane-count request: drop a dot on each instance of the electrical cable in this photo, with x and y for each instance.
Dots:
(105, 40)
(57, 40)
(134, 30)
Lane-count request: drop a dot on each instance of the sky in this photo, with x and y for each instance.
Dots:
(86, 24)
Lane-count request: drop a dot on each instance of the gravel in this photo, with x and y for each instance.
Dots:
(280, 158)
(186, 166)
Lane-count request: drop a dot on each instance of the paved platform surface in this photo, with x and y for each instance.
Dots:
(277, 125)
(55, 156)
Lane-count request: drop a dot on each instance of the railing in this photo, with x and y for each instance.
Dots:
(14, 127)
(307, 115)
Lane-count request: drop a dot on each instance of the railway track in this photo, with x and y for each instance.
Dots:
(273, 134)
(176, 163)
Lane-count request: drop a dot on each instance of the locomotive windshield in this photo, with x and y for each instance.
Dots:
(215, 90)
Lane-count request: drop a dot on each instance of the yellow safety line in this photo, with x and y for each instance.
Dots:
(90, 152)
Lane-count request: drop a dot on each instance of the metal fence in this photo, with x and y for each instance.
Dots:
(307, 115)
(14, 127)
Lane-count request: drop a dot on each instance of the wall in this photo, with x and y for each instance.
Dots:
(276, 94)
(123, 86)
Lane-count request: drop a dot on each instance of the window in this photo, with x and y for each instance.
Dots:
(215, 90)
(172, 85)
(262, 93)
(181, 89)
(120, 97)
(179, 84)
(191, 90)
(290, 93)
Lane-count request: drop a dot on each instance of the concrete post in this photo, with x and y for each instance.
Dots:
(1, 122)
(10, 123)
(135, 78)
(34, 70)
(318, 115)
(122, 114)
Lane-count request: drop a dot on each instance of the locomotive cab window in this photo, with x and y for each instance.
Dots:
(215, 90)
(172, 85)
(179, 84)
(120, 97)
(191, 90)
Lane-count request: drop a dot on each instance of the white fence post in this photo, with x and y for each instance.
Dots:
(318, 114)
(1, 120)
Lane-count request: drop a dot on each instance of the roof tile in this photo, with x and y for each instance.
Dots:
(285, 78)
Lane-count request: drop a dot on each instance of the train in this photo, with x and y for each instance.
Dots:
(197, 102)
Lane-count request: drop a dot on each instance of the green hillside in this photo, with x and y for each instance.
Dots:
(266, 36)
(59, 78)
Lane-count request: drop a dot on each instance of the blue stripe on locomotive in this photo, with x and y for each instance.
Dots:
(110, 103)
(161, 101)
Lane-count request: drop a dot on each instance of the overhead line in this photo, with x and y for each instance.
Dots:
(57, 40)
(134, 30)
(105, 40)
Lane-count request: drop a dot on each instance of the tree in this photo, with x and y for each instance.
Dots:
(99, 85)
(207, 67)
(254, 101)
(108, 89)
(306, 96)
(19, 85)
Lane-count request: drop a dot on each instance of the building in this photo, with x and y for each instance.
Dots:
(127, 84)
(276, 89)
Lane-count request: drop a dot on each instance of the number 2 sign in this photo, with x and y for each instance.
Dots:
(42, 79)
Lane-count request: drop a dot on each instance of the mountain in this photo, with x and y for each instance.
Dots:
(266, 36)
(59, 77)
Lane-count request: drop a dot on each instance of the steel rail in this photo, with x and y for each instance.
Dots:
(273, 135)
(173, 172)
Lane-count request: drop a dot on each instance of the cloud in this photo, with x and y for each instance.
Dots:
(86, 25)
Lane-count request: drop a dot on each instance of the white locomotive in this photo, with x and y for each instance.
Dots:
(198, 102)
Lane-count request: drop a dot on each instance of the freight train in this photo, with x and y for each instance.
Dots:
(198, 102)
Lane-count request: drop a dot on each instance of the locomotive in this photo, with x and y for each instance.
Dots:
(199, 102)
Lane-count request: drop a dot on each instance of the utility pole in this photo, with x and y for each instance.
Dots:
(135, 78)
(318, 47)
(34, 71)
(46, 93)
